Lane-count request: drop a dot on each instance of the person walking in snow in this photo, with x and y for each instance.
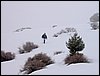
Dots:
(44, 36)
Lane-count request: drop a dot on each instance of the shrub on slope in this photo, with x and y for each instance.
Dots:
(76, 58)
(39, 61)
(29, 46)
(7, 56)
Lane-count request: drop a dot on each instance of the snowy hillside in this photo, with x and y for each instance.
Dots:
(40, 17)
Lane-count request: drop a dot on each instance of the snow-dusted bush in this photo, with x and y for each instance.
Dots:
(7, 56)
(39, 61)
(43, 57)
(55, 35)
(21, 51)
(63, 31)
(59, 33)
(57, 52)
(66, 30)
(54, 26)
(32, 65)
(76, 58)
(70, 30)
(29, 46)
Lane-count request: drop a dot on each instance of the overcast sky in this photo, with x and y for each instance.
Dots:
(45, 13)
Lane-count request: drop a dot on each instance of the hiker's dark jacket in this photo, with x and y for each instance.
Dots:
(44, 36)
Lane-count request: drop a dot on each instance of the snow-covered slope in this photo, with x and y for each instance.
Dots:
(41, 16)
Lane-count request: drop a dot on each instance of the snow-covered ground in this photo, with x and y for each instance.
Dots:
(41, 16)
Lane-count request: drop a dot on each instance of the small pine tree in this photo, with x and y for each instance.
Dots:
(75, 44)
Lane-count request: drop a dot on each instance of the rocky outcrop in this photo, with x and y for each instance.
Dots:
(94, 21)
(21, 29)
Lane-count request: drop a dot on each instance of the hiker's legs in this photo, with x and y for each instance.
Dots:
(44, 41)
